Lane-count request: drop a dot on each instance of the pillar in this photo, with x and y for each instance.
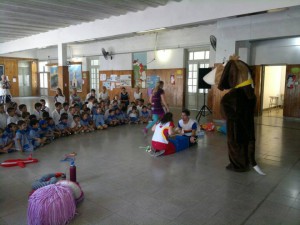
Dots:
(63, 72)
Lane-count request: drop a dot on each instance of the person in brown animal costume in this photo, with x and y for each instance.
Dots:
(237, 107)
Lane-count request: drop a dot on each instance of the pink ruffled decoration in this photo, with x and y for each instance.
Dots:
(51, 205)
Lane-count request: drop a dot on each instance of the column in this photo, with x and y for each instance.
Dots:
(63, 73)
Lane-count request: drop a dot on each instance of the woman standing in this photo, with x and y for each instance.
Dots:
(5, 96)
(59, 97)
(157, 100)
(124, 98)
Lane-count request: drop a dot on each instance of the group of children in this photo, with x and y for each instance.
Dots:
(24, 131)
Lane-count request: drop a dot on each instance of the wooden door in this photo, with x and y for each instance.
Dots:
(291, 105)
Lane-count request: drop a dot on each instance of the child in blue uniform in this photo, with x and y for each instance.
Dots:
(22, 142)
(6, 144)
(35, 136)
(98, 118)
(145, 115)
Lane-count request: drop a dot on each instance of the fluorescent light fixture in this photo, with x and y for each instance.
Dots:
(276, 10)
(153, 30)
(92, 39)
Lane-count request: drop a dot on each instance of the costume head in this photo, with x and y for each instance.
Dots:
(230, 74)
(235, 73)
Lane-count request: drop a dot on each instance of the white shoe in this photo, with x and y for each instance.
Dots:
(258, 170)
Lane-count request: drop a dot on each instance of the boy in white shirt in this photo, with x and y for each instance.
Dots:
(37, 110)
(12, 118)
(3, 117)
(44, 107)
(140, 106)
(22, 108)
(56, 113)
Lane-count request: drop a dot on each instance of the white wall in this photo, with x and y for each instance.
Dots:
(173, 41)
(23, 54)
(278, 51)
(119, 62)
(166, 59)
(169, 39)
(253, 28)
(273, 83)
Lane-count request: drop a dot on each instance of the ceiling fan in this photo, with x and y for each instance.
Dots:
(213, 42)
(106, 54)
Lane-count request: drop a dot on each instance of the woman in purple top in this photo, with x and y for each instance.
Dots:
(157, 99)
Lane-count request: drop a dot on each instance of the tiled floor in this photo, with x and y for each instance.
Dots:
(124, 185)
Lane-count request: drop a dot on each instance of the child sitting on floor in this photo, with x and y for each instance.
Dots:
(22, 108)
(10, 130)
(3, 117)
(22, 142)
(6, 145)
(44, 131)
(85, 122)
(34, 134)
(12, 118)
(65, 108)
(133, 115)
(63, 125)
(57, 112)
(76, 126)
(44, 107)
(140, 106)
(52, 128)
(37, 110)
(45, 115)
(145, 115)
(99, 120)
(121, 116)
(111, 119)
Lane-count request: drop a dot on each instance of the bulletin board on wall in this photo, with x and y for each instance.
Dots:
(124, 78)
(115, 80)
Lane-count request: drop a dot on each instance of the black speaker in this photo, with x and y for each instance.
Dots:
(201, 83)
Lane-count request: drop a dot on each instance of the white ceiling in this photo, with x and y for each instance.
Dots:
(35, 24)
(20, 18)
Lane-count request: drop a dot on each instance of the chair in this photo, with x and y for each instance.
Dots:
(281, 100)
(273, 102)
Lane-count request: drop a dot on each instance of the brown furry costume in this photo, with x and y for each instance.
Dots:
(237, 107)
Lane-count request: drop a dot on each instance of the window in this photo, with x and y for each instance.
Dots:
(94, 62)
(43, 67)
(197, 59)
(95, 74)
(43, 80)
